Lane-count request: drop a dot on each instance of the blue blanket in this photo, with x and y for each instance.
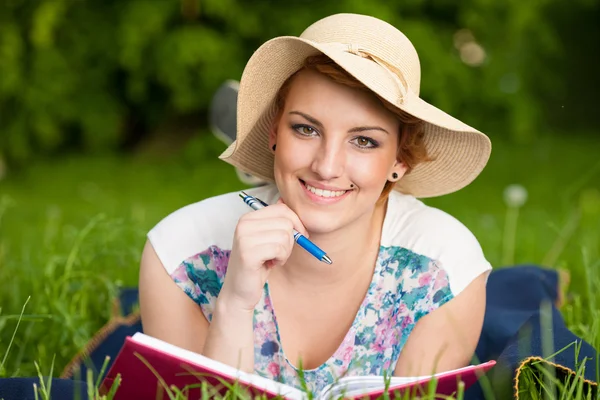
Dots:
(521, 315)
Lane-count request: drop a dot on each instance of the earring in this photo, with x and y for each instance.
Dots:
(274, 146)
(395, 175)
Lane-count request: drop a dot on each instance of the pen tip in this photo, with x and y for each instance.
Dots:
(327, 260)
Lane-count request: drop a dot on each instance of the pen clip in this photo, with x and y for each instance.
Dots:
(261, 202)
(246, 195)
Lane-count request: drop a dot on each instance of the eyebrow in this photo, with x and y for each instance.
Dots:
(316, 122)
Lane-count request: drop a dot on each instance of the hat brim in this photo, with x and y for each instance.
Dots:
(459, 152)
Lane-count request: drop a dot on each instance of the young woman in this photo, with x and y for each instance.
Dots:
(333, 120)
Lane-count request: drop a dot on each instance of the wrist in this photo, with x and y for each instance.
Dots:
(230, 337)
(228, 303)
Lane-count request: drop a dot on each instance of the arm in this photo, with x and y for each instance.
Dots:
(230, 338)
(167, 312)
(262, 240)
(171, 315)
(446, 338)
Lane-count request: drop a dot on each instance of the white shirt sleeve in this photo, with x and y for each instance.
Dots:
(195, 227)
(437, 235)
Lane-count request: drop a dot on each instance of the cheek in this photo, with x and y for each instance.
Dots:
(368, 171)
(292, 155)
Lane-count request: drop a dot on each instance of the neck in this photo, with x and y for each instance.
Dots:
(352, 249)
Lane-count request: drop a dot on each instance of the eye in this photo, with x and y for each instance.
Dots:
(365, 142)
(304, 130)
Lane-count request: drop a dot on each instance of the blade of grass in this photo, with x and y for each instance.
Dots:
(562, 239)
(89, 378)
(77, 245)
(114, 387)
(156, 374)
(102, 371)
(548, 343)
(12, 338)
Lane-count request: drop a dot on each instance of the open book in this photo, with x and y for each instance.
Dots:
(148, 366)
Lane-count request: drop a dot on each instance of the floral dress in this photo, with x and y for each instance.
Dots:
(405, 287)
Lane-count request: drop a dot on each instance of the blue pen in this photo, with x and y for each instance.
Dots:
(257, 204)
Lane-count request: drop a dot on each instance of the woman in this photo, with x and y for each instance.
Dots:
(333, 120)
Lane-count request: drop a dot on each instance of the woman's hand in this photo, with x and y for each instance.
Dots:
(263, 240)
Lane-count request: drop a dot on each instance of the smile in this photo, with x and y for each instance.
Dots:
(324, 192)
(325, 195)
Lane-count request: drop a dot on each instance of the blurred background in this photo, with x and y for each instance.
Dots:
(104, 131)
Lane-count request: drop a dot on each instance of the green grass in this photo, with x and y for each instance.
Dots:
(72, 230)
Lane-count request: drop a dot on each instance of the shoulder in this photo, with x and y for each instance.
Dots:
(196, 227)
(436, 235)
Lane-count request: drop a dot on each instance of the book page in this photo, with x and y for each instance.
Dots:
(224, 369)
(358, 385)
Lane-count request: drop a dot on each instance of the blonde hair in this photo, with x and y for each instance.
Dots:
(411, 146)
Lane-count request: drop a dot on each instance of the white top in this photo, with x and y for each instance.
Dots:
(409, 224)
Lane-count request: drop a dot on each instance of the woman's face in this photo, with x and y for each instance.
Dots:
(336, 148)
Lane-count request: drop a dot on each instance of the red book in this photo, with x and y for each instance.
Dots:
(148, 367)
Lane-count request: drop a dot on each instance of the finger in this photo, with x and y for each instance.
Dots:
(278, 210)
(272, 255)
(257, 226)
(283, 209)
(298, 225)
(250, 244)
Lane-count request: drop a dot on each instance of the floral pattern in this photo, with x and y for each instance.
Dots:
(405, 287)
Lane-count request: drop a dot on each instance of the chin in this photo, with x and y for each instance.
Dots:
(320, 222)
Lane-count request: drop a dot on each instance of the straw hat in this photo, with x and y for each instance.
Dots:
(383, 59)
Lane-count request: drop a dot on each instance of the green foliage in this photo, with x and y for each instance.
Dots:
(82, 74)
(99, 76)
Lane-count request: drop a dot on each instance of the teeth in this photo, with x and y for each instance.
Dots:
(325, 193)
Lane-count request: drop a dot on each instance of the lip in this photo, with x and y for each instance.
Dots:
(319, 186)
(323, 200)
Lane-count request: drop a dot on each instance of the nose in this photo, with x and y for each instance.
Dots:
(329, 162)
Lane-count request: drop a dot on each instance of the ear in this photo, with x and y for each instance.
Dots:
(272, 135)
(273, 131)
(400, 169)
